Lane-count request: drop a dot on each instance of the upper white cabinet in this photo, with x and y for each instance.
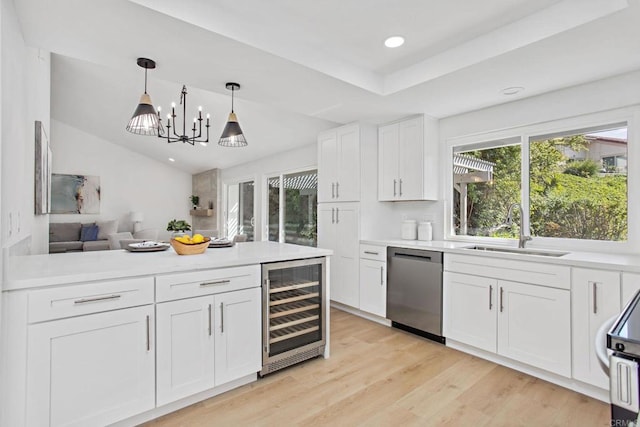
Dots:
(339, 164)
(408, 160)
(595, 297)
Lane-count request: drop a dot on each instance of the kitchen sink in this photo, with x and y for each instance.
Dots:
(523, 251)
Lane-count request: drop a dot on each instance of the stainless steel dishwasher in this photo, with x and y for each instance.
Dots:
(414, 291)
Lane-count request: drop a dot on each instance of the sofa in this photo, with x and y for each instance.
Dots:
(76, 237)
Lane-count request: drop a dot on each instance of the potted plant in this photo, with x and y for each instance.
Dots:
(176, 227)
(195, 200)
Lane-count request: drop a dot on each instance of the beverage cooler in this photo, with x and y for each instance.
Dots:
(293, 312)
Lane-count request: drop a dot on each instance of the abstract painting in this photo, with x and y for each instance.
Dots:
(75, 194)
(42, 179)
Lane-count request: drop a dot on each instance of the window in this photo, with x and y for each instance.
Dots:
(293, 212)
(574, 187)
(486, 181)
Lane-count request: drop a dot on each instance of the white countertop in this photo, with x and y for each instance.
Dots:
(53, 269)
(599, 260)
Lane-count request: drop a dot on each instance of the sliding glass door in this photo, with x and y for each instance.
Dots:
(239, 210)
(292, 210)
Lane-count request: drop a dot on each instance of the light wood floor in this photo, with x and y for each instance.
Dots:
(378, 376)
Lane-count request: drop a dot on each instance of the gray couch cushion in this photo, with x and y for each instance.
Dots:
(106, 227)
(95, 245)
(56, 247)
(64, 232)
(114, 239)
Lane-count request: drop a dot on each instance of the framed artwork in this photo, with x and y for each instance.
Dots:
(42, 178)
(75, 194)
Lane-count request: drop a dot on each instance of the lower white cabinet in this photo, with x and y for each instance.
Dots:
(595, 298)
(373, 287)
(630, 285)
(238, 337)
(338, 225)
(207, 341)
(524, 322)
(91, 370)
(469, 310)
(185, 348)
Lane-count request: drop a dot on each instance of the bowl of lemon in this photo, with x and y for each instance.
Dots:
(187, 245)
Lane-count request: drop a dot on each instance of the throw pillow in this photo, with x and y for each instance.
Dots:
(89, 233)
(106, 228)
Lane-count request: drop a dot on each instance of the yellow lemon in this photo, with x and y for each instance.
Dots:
(198, 238)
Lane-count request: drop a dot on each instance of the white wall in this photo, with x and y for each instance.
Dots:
(578, 104)
(128, 181)
(601, 95)
(300, 158)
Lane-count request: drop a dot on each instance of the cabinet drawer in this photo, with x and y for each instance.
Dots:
(373, 252)
(185, 285)
(68, 301)
(551, 275)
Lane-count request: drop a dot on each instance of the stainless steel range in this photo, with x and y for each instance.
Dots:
(624, 371)
(293, 312)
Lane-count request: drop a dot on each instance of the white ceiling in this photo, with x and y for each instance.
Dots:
(306, 65)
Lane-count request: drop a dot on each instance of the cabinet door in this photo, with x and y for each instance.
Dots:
(373, 287)
(348, 173)
(534, 326)
(630, 285)
(410, 181)
(388, 153)
(185, 344)
(327, 166)
(238, 326)
(347, 254)
(327, 240)
(91, 370)
(595, 297)
(469, 310)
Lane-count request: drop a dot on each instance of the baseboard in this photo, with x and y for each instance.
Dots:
(360, 313)
(183, 403)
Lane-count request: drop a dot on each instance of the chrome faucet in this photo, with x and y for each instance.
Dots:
(524, 237)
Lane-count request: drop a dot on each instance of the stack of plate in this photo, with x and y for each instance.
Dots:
(220, 242)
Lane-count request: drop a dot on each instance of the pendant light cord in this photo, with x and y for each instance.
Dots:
(145, 79)
(232, 91)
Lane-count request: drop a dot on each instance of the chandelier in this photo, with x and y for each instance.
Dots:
(195, 132)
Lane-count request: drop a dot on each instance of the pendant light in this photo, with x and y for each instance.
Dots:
(145, 119)
(232, 135)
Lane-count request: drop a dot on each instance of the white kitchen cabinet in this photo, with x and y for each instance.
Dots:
(469, 310)
(91, 370)
(373, 287)
(185, 349)
(237, 326)
(339, 164)
(534, 325)
(338, 230)
(408, 160)
(595, 297)
(630, 285)
(527, 322)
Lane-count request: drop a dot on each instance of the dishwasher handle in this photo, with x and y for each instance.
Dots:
(416, 255)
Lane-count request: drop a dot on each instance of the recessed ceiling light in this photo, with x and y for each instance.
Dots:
(171, 159)
(394, 41)
(204, 144)
(512, 90)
